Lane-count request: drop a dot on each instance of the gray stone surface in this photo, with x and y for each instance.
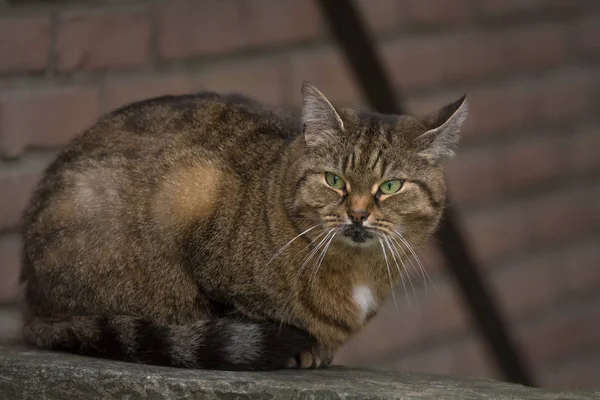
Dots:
(27, 373)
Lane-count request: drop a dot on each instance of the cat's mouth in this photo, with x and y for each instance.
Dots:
(358, 233)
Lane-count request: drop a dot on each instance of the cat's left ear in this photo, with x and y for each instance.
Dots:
(319, 119)
(443, 127)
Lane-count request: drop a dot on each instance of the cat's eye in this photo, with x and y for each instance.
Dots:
(391, 186)
(334, 181)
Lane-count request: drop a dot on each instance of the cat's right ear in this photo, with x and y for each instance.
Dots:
(444, 126)
(320, 120)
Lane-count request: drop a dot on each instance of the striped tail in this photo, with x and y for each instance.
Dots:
(212, 344)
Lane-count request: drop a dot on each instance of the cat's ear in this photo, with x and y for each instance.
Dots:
(443, 127)
(319, 119)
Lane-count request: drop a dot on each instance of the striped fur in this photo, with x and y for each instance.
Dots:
(214, 344)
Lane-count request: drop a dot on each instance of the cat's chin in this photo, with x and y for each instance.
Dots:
(351, 242)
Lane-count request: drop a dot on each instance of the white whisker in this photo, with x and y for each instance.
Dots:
(285, 246)
(401, 272)
(323, 253)
(424, 272)
(313, 252)
(408, 276)
(413, 269)
(387, 265)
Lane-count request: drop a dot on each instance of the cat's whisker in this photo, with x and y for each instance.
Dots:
(393, 254)
(422, 268)
(404, 271)
(393, 248)
(290, 242)
(323, 253)
(387, 264)
(324, 231)
(413, 269)
(313, 252)
(414, 255)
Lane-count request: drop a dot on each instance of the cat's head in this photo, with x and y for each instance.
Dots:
(371, 178)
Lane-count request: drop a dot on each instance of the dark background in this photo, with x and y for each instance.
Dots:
(525, 180)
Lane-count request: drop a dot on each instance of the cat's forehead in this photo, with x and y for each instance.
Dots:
(385, 128)
(376, 135)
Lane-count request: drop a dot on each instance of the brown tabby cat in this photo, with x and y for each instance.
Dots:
(210, 231)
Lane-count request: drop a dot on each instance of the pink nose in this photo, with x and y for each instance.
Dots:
(358, 215)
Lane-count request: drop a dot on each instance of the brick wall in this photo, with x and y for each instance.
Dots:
(525, 182)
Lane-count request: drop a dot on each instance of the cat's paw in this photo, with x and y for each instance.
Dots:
(315, 358)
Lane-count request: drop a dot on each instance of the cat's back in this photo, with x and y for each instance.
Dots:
(142, 140)
(207, 120)
(138, 156)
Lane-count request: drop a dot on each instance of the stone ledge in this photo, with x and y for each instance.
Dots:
(26, 373)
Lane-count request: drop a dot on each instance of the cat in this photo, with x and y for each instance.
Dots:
(212, 231)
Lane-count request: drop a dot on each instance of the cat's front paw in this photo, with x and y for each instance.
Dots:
(315, 358)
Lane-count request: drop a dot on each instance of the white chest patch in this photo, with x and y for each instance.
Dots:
(363, 297)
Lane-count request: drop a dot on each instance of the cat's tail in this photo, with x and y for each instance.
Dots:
(213, 344)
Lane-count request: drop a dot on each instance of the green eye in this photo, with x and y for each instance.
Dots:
(334, 181)
(391, 186)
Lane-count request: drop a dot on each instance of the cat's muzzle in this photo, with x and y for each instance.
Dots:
(357, 232)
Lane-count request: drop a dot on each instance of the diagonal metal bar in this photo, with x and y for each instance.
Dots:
(351, 34)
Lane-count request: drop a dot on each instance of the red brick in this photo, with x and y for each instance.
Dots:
(546, 220)
(520, 165)
(467, 56)
(24, 43)
(260, 79)
(19, 179)
(433, 262)
(580, 374)
(464, 358)
(580, 268)
(328, 71)
(414, 63)
(562, 216)
(506, 6)
(471, 358)
(582, 151)
(565, 96)
(474, 175)
(429, 60)
(102, 40)
(588, 32)
(10, 249)
(281, 21)
(516, 7)
(535, 48)
(527, 286)
(117, 93)
(562, 332)
(442, 311)
(191, 28)
(435, 360)
(498, 109)
(495, 233)
(381, 15)
(437, 11)
(530, 160)
(423, 105)
(44, 117)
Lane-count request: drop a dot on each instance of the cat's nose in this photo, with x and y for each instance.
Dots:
(358, 215)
